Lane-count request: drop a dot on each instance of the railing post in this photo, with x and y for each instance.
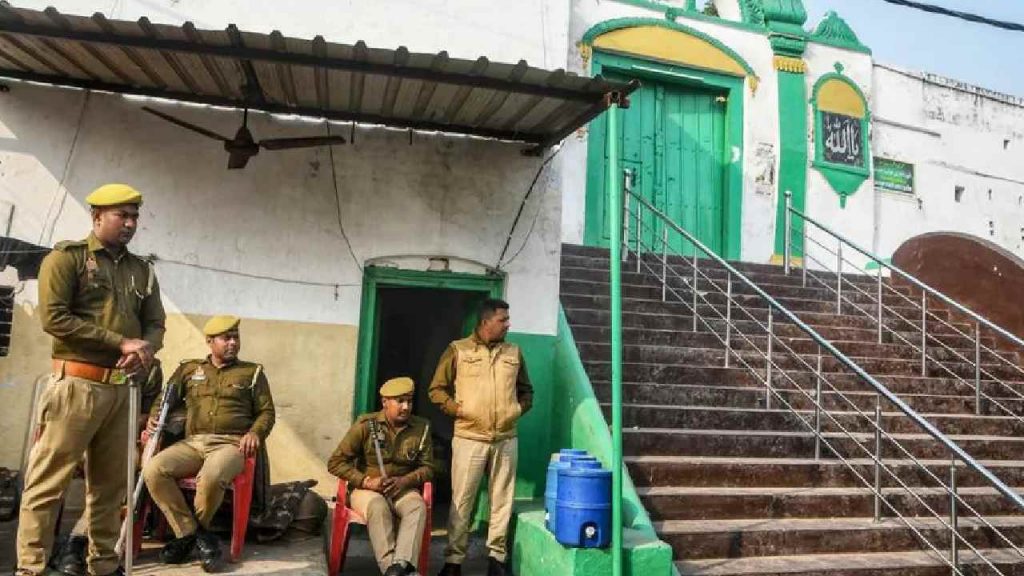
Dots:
(817, 408)
(616, 218)
(879, 319)
(977, 368)
(803, 252)
(728, 317)
(878, 457)
(924, 333)
(694, 287)
(839, 278)
(788, 248)
(954, 548)
(664, 263)
(768, 365)
(639, 230)
(627, 178)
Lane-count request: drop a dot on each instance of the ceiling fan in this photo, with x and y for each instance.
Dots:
(243, 146)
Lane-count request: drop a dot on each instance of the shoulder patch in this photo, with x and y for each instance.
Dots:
(64, 245)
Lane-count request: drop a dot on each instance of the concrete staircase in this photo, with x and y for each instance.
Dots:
(734, 487)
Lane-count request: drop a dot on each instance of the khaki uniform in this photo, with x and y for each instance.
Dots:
(222, 404)
(89, 300)
(487, 389)
(410, 453)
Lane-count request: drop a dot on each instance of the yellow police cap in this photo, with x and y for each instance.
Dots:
(220, 324)
(114, 194)
(397, 387)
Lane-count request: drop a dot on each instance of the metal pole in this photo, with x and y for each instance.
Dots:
(788, 248)
(839, 279)
(615, 223)
(639, 231)
(924, 333)
(803, 252)
(664, 263)
(954, 552)
(768, 366)
(817, 409)
(878, 458)
(133, 435)
(694, 287)
(977, 369)
(728, 317)
(625, 220)
(879, 319)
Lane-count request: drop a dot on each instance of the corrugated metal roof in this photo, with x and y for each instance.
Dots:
(278, 74)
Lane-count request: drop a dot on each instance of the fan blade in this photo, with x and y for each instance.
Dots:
(186, 125)
(238, 160)
(287, 143)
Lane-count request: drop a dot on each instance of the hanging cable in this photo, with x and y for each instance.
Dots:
(519, 213)
(958, 14)
(63, 178)
(337, 200)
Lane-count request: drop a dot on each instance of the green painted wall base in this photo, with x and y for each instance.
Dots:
(536, 551)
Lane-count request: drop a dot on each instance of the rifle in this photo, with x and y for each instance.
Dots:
(152, 445)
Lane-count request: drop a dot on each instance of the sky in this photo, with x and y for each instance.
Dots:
(974, 53)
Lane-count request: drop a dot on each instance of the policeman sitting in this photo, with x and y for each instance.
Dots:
(229, 414)
(384, 496)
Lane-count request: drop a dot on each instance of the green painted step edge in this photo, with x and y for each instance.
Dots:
(577, 421)
(535, 551)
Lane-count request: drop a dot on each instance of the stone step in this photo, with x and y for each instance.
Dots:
(719, 418)
(754, 397)
(916, 563)
(718, 312)
(786, 362)
(718, 503)
(796, 444)
(649, 287)
(712, 471)
(804, 345)
(749, 538)
(733, 376)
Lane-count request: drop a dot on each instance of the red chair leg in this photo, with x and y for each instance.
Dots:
(428, 497)
(339, 541)
(138, 527)
(241, 503)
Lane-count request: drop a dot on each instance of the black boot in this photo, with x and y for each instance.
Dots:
(398, 569)
(179, 550)
(496, 568)
(450, 569)
(210, 554)
(71, 561)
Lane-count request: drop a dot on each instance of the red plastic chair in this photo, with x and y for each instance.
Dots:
(241, 502)
(343, 516)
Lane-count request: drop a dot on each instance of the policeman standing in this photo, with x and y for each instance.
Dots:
(102, 306)
(481, 381)
(384, 496)
(230, 412)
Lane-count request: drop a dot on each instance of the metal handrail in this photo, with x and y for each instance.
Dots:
(957, 501)
(903, 407)
(926, 314)
(913, 280)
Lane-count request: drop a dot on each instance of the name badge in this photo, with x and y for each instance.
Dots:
(198, 375)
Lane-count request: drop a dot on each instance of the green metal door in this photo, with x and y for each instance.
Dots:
(673, 137)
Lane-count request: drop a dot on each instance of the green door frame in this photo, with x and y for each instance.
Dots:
(674, 74)
(375, 277)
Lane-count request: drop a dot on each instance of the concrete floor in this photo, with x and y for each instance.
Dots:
(296, 555)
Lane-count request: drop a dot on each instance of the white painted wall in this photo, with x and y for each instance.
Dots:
(954, 135)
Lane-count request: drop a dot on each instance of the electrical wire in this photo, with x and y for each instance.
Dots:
(63, 178)
(515, 222)
(337, 200)
(158, 260)
(1005, 25)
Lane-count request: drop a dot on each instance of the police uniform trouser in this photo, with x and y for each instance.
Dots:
(214, 459)
(79, 417)
(471, 459)
(389, 545)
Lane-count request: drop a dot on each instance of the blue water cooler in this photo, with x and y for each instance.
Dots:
(583, 506)
(559, 461)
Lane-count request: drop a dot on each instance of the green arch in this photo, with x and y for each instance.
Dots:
(619, 23)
